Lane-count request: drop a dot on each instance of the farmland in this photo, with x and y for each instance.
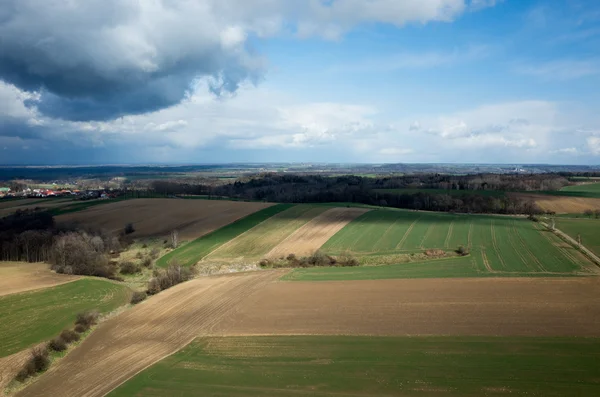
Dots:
(32, 317)
(258, 241)
(499, 246)
(191, 253)
(20, 277)
(368, 366)
(312, 235)
(561, 203)
(583, 190)
(588, 229)
(158, 217)
(131, 341)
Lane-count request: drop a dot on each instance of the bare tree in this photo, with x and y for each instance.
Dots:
(174, 239)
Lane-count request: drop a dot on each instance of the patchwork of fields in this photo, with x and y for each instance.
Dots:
(260, 240)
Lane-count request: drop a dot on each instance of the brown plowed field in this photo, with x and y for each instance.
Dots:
(562, 204)
(10, 367)
(536, 307)
(21, 276)
(158, 217)
(126, 344)
(310, 237)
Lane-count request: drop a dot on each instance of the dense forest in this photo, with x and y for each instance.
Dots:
(355, 189)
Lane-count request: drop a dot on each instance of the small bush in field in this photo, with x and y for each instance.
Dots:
(57, 344)
(69, 336)
(147, 261)
(37, 362)
(88, 318)
(130, 268)
(138, 296)
(80, 328)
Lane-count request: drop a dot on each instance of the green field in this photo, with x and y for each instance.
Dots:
(499, 246)
(589, 229)
(265, 236)
(32, 317)
(374, 366)
(191, 253)
(456, 193)
(588, 188)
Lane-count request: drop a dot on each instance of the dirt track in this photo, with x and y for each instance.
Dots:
(158, 217)
(562, 204)
(20, 277)
(310, 237)
(499, 306)
(130, 342)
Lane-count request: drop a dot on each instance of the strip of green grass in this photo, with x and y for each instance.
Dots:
(191, 253)
(374, 366)
(32, 317)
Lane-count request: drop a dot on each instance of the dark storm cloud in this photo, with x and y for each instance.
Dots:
(98, 60)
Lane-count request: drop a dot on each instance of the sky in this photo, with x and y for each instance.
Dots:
(351, 81)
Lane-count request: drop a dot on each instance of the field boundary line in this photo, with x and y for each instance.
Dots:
(515, 246)
(384, 234)
(469, 241)
(449, 235)
(427, 233)
(495, 243)
(407, 232)
(486, 263)
(525, 246)
(560, 249)
(242, 234)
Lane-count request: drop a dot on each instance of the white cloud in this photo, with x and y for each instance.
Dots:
(593, 143)
(567, 150)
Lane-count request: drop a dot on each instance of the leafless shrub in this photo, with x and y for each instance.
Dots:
(154, 252)
(462, 250)
(138, 297)
(80, 328)
(37, 362)
(69, 335)
(129, 228)
(130, 268)
(87, 318)
(147, 261)
(57, 344)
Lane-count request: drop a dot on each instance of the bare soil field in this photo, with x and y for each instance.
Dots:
(562, 204)
(310, 237)
(130, 342)
(10, 367)
(158, 217)
(506, 307)
(21, 276)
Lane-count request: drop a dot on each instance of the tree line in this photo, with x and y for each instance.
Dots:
(354, 189)
(33, 236)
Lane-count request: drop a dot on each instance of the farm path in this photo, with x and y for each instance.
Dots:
(158, 327)
(571, 240)
(310, 237)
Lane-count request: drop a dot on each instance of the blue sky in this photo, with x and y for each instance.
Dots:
(197, 81)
